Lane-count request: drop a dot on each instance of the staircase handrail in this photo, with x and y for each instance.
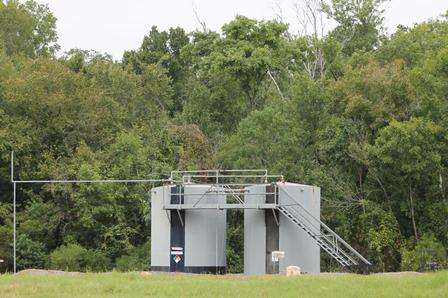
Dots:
(348, 246)
(335, 248)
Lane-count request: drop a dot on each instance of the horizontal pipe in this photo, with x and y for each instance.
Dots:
(220, 171)
(233, 176)
(227, 184)
(94, 181)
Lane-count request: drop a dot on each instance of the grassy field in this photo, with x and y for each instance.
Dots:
(181, 285)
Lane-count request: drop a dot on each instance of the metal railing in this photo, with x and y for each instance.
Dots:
(232, 184)
(229, 177)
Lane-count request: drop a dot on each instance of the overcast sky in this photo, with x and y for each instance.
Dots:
(113, 26)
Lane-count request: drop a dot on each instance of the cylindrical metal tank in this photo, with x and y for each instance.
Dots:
(187, 239)
(267, 230)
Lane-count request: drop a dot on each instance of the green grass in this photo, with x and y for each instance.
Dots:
(173, 285)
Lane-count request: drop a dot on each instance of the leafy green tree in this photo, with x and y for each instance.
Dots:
(159, 47)
(44, 90)
(261, 141)
(157, 90)
(215, 103)
(408, 155)
(248, 51)
(360, 23)
(381, 233)
(415, 44)
(28, 29)
(373, 95)
(193, 148)
(163, 48)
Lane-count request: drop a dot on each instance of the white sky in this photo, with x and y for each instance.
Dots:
(113, 26)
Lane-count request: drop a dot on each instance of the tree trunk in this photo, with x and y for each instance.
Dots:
(411, 207)
(250, 101)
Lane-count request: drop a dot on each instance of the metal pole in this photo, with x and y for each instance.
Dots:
(14, 223)
(14, 211)
(216, 226)
(216, 243)
(12, 166)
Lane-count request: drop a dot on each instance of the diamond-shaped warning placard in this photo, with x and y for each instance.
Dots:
(177, 258)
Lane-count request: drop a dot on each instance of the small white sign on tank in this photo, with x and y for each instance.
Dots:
(277, 255)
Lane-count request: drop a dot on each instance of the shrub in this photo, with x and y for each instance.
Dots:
(96, 261)
(139, 259)
(427, 249)
(30, 254)
(74, 257)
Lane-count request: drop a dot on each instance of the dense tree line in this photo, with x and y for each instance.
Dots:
(361, 114)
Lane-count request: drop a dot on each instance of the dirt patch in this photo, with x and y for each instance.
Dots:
(45, 272)
(393, 274)
(400, 273)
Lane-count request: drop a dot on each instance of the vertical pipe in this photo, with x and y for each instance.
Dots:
(180, 196)
(14, 223)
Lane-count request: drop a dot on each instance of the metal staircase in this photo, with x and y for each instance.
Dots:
(326, 238)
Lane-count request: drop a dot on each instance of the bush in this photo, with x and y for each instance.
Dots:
(379, 229)
(6, 239)
(30, 254)
(96, 261)
(74, 257)
(427, 250)
(235, 262)
(235, 247)
(139, 259)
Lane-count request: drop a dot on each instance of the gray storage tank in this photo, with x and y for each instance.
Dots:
(267, 230)
(182, 240)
